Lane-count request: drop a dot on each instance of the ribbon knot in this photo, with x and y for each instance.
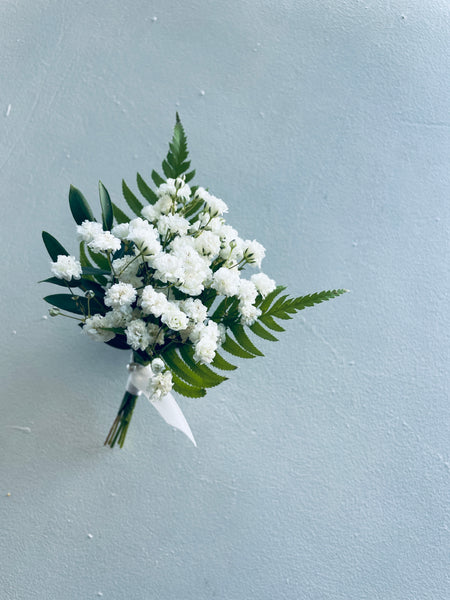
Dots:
(139, 383)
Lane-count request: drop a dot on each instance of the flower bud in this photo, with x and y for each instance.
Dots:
(54, 312)
(157, 365)
(89, 294)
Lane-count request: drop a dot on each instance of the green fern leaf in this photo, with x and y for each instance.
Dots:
(131, 199)
(184, 389)
(303, 301)
(243, 339)
(177, 365)
(271, 323)
(119, 215)
(157, 179)
(189, 176)
(270, 298)
(209, 376)
(258, 329)
(145, 190)
(220, 363)
(234, 348)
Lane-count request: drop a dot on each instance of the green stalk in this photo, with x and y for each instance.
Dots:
(119, 428)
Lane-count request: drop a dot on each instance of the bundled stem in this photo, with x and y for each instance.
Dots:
(119, 428)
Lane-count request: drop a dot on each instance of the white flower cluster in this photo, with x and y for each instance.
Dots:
(165, 265)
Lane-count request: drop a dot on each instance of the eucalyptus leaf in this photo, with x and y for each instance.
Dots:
(54, 248)
(81, 211)
(69, 302)
(107, 210)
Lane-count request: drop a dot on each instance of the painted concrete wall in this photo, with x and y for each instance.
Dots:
(322, 470)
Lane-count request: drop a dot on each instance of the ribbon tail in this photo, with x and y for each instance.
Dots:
(172, 415)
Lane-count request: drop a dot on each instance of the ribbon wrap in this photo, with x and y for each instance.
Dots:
(138, 384)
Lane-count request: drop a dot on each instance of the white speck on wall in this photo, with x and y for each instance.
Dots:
(90, 536)
(154, 19)
(202, 92)
(8, 110)
(19, 428)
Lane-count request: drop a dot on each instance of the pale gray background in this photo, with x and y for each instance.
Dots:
(322, 470)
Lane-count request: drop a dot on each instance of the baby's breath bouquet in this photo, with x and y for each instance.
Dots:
(168, 285)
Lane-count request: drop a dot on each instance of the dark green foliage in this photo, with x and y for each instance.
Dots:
(107, 210)
(131, 199)
(81, 211)
(210, 378)
(180, 368)
(145, 190)
(259, 330)
(99, 260)
(119, 215)
(222, 364)
(234, 348)
(190, 378)
(157, 179)
(54, 248)
(120, 342)
(185, 389)
(68, 302)
(243, 339)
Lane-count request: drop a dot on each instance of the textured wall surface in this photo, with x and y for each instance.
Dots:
(322, 470)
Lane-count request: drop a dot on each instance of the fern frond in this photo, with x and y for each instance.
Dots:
(131, 199)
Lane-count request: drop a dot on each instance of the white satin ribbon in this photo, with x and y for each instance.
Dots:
(138, 383)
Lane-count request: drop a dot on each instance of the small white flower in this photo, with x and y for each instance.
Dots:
(205, 339)
(88, 230)
(169, 268)
(120, 294)
(174, 318)
(157, 365)
(194, 309)
(121, 231)
(104, 241)
(247, 291)
(151, 213)
(153, 302)
(254, 252)
(208, 244)
(263, 283)
(183, 191)
(145, 236)
(167, 189)
(126, 269)
(226, 281)
(248, 312)
(215, 206)
(160, 385)
(138, 336)
(66, 267)
(93, 327)
(173, 224)
(222, 333)
(118, 317)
